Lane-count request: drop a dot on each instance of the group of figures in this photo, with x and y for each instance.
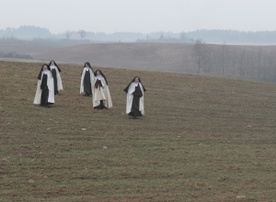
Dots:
(93, 83)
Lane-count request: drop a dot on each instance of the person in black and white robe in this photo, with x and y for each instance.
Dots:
(135, 98)
(101, 97)
(56, 76)
(45, 94)
(87, 80)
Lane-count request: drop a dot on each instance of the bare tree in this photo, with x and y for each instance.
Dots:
(198, 54)
(68, 34)
(82, 34)
(223, 53)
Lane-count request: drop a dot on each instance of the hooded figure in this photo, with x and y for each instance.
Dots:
(101, 94)
(135, 98)
(87, 80)
(45, 94)
(56, 76)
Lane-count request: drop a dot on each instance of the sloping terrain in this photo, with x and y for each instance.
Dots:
(235, 61)
(202, 139)
(145, 56)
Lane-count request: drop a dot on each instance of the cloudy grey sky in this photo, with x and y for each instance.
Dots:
(139, 15)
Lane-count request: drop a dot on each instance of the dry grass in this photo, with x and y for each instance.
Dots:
(202, 139)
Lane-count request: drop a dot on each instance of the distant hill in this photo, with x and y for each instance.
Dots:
(25, 32)
(237, 61)
(247, 62)
(234, 37)
(151, 56)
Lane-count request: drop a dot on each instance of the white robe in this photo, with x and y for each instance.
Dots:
(102, 93)
(50, 84)
(129, 100)
(92, 78)
(59, 81)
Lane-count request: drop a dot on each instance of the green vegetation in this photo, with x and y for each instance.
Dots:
(202, 139)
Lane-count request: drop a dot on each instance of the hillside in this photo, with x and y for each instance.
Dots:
(202, 139)
(243, 62)
(235, 61)
(145, 56)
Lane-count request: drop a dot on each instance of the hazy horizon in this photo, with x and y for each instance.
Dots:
(139, 16)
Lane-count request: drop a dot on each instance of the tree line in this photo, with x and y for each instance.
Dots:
(246, 62)
(208, 36)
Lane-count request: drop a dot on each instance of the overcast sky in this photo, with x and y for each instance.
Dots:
(139, 15)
